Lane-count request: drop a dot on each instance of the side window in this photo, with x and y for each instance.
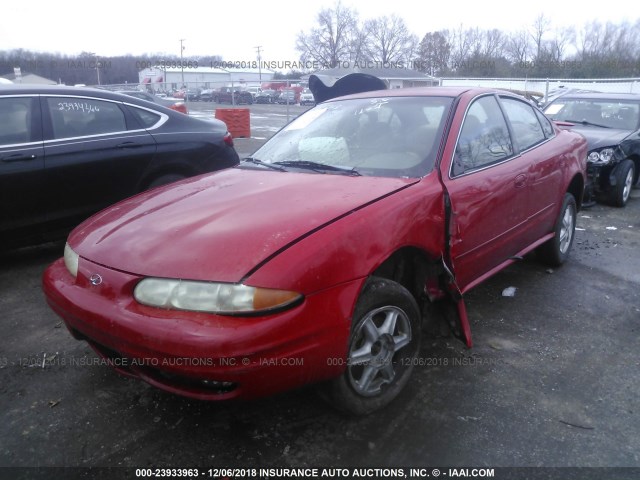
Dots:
(546, 124)
(484, 138)
(15, 120)
(79, 117)
(526, 127)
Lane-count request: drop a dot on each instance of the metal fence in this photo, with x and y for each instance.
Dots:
(547, 85)
(223, 92)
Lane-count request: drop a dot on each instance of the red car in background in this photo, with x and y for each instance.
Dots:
(313, 260)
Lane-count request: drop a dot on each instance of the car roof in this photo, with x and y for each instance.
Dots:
(600, 96)
(427, 92)
(18, 89)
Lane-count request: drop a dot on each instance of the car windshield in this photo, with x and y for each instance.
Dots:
(388, 137)
(620, 114)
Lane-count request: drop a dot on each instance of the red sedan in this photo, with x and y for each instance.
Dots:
(312, 261)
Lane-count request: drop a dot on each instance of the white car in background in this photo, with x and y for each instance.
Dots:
(254, 91)
(306, 98)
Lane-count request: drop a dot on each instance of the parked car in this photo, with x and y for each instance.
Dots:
(267, 96)
(169, 103)
(611, 124)
(306, 97)
(556, 93)
(287, 96)
(254, 91)
(206, 95)
(232, 95)
(314, 260)
(67, 152)
(192, 94)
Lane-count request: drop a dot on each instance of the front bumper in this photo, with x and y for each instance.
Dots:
(601, 179)
(199, 355)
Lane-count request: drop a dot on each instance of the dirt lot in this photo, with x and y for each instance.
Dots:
(553, 380)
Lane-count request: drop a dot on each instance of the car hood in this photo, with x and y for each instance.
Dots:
(601, 137)
(221, 226)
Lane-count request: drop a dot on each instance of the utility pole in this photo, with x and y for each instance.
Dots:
(259, 64)
(96, 60)
(98, 68)
(181, 62)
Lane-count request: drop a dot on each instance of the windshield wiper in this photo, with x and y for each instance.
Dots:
(318, 167)
(586, 122)
(255, 161)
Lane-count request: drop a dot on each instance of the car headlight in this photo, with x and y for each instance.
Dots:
(221, 298)
(71, 260)
(601, 157)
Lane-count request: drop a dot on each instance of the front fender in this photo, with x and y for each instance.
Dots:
(353, 246)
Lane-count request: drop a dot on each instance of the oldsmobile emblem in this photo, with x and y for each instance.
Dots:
(95, 279)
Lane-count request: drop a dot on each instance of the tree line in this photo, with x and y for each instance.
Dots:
(594, 50)
(88, 69)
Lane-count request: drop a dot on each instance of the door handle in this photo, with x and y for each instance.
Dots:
(18, 157)
(520, 180)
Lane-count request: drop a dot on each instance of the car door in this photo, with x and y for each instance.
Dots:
(532, 134)
(486, 182)
(95, 154)
(21, 166)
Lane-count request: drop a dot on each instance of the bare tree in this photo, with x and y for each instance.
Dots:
(539, 28)
(333, 40)
(608, 49)
(461, 43)
(557, 47)
(494, 43)
(477, 52)
(474, 38)
(388, 40)
(590, 41)
(433, 53)
(624, 41)
(518, 47)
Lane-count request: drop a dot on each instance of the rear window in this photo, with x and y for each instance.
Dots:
(146, 118)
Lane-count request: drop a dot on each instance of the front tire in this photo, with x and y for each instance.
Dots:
(383, 346)
(625, 175)
(555, 252)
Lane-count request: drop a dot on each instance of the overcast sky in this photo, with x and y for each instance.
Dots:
(233, 29)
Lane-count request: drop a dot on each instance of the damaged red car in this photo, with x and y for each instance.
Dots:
(312, 261)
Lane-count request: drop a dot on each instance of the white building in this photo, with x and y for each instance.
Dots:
(203, 77)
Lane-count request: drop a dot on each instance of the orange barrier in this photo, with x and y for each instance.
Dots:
(237, 120)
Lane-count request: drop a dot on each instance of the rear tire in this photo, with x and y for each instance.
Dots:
(555, 252)
(383, 346)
